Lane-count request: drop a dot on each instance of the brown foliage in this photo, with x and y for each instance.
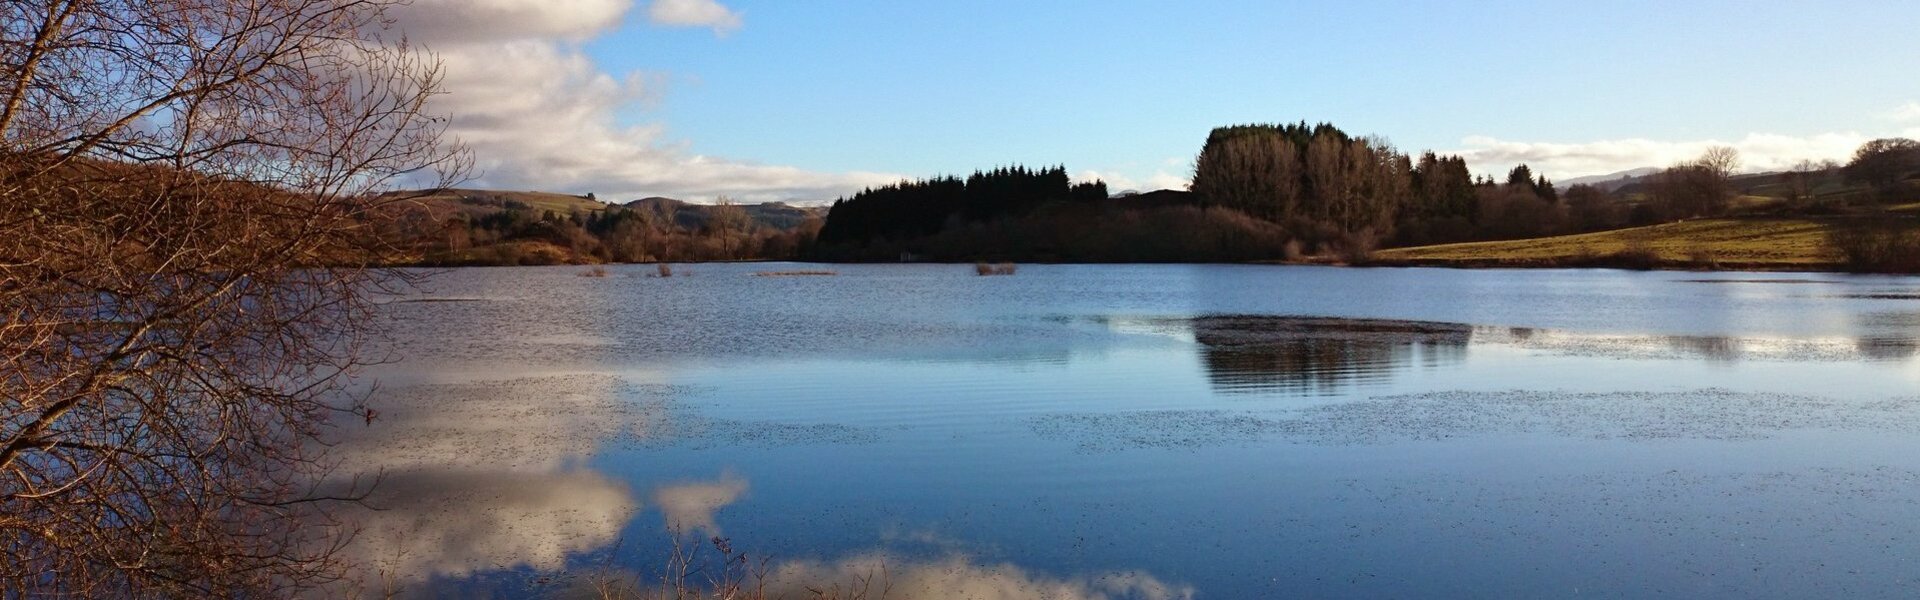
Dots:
(173, 177)
(1883, 245)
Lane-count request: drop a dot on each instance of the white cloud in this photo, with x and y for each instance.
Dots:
(539, 114)
(454, 21)
(694, 13)
(1118, 182)
(1759, 152)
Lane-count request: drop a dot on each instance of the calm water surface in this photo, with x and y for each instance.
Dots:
(1156, 431)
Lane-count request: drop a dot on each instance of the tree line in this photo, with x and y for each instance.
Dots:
(519, 234)
(914, 209)
(1285, 190)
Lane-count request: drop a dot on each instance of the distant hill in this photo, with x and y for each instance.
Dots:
(450, 201)
(472, 227)
(1610, 181)
(1154, 199)
(776, 215)
(447, 203)
(1752, 184)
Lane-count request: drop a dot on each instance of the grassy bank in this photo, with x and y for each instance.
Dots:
(1750, 243)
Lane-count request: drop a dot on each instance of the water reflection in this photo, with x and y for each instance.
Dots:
(689, 507)
(1890, 335)
(709, 569)
(960, 576)
(1329, 356)
(489, 475)
(1874, 343)
(799, 427)
(884, 575)
(1320, 355)
(453, 524)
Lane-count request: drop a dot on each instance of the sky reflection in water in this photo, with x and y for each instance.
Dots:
(1159, 431)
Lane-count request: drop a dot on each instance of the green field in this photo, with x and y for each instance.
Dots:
(1746, 243)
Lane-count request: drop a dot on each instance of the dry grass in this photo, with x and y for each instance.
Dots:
(663, 270)
(984, 269)
(1740, 243)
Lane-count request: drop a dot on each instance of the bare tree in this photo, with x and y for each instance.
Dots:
(1699, 188)
(728, 222)
(1802, 177)
(186, 199)
(1722, 160)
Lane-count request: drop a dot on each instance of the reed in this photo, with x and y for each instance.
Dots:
(984, 269)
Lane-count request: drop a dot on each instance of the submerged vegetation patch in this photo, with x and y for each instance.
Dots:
(436, 300)
(796, 274)
(1707, 414)
(1883, 296)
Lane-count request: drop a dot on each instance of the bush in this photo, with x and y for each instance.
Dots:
(1884, 246)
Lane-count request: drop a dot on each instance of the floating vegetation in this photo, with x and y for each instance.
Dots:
(1708, 414)
(1157, 429)
(984, 269)
(1883, 296)
(1784, 281)
(796, 274)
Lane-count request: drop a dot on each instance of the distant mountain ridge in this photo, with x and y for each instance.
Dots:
(1610, 181)
(448, 203)
(776, 215)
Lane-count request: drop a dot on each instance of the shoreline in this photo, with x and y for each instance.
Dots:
(1605, 263)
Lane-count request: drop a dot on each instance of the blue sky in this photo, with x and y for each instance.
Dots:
(845, 92)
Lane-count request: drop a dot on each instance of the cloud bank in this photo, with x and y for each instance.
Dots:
(1759, 152)
(1120, 182)
(539, 114)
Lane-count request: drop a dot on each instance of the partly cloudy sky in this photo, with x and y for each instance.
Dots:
(540, 114)
(806, 101)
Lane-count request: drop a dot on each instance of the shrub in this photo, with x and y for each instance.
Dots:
(1880, 247)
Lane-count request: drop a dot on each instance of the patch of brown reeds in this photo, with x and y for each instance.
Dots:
(984, 269)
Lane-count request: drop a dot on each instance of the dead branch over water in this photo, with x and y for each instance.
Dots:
(172, 172)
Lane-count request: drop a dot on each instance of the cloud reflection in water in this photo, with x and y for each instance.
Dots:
(489, 475)
(689, 506)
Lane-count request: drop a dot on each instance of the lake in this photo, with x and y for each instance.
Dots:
(1153, 431)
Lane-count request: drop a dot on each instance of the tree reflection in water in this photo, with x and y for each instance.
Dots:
(1320, 355)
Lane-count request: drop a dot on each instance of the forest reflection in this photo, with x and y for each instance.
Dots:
(1320, 355)
(1329, 356)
